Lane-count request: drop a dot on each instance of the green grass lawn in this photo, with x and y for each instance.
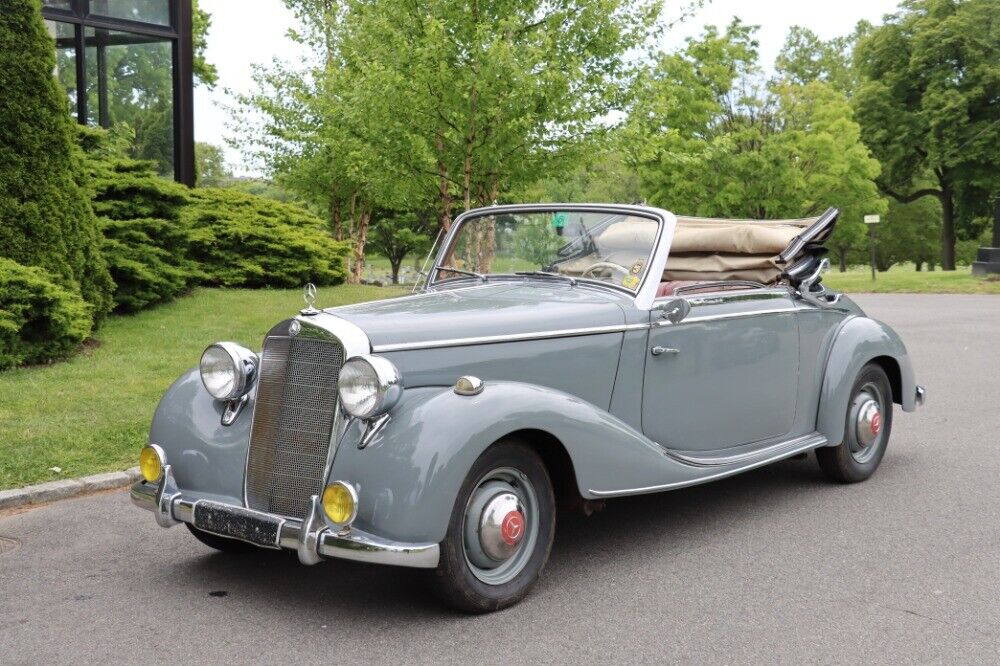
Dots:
(92, 413)
(903, 279)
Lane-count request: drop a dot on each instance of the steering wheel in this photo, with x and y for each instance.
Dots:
(605, 265)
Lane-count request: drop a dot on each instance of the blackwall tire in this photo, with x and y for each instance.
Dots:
(858, 456)
(468, 577)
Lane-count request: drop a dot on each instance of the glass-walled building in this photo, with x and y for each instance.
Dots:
(128, 64)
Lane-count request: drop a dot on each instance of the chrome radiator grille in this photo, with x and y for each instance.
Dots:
(292, 422)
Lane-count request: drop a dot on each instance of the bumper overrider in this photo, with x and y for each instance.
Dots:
(311, 537)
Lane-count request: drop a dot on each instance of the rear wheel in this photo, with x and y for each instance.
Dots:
(867, 429)
(500, 531)
(221, 543)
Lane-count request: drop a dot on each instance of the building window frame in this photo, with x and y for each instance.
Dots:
(179, 35)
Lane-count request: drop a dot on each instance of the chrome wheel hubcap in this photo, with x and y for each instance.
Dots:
(501, 526)
(866, 414)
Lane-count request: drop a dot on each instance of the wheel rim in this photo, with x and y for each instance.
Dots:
(866, 415)
(500, 525)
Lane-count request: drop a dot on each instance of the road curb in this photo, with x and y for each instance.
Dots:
(62, 489)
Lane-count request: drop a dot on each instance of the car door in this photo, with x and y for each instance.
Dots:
(725, 375)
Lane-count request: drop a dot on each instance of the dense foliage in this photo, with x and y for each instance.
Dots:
(710, 137)
(241, 240)
(928, 108)
(39, 319)
(438, 104)
(45, 217)
(146, 244)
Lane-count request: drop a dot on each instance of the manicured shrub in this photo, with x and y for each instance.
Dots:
(45, 215)
(241, 240)
(146, 242)
(39, 319)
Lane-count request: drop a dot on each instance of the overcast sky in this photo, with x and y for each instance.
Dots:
(241, 36)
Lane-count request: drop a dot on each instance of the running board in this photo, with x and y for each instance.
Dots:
(774, 452)
(732, 464)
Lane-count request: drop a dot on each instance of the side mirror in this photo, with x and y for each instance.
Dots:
(674, 310)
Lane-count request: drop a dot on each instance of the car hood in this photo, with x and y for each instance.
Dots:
(503, 308)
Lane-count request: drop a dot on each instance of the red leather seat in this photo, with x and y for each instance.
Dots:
(667, 288)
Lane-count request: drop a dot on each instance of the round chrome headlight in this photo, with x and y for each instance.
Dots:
(369, 386)
(228, 370)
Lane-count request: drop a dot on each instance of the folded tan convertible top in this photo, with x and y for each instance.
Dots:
(723, 249)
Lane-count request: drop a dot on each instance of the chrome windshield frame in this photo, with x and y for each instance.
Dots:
(643, 295)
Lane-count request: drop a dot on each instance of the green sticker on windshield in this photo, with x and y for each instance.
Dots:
(559, 220)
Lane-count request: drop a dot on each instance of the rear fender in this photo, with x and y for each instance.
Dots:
(860, 341)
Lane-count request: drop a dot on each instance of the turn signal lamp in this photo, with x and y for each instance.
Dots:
(340, 503)
(151, 463)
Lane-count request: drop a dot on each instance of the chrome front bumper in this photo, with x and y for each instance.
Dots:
(310, 537)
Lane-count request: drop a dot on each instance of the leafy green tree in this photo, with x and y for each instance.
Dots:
(910, 233)
(928, 105)
(604, 175)
(318, 138)
(440, 102)
(395, 235)
(205, 72)
(805, 58)
(210, 165)
(45, 216)
(710, 138)
(492, 93)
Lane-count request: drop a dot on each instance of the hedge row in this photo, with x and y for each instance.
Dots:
(159, 239)
(40, 320)
(46, 222)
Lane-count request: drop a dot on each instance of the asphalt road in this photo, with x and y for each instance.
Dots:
(777, 565)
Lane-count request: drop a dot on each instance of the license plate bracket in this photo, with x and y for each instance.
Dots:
(236, 522)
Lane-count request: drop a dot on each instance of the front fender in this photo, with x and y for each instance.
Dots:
(410, 474)
(859, 340)
(207, 457)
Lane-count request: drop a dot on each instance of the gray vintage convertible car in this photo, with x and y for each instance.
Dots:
(555, 355)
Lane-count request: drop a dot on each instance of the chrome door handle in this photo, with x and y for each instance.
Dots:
(657, 350)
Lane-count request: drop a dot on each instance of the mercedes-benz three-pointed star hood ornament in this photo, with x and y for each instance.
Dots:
(309, 296)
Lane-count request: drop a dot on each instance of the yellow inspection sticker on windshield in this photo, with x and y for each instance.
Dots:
(630, 281)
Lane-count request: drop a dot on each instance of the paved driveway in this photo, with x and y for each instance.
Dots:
(777, 565)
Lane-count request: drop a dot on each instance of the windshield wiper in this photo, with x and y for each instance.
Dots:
(572, 280)
(449, 269)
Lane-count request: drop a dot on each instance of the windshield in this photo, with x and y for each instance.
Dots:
(604, 247)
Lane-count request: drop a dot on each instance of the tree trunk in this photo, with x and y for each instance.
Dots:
(360, 237)
(919, 265)
(395, 264)
(947, 229)
(444, 188)
(336, 218)
(841, 260)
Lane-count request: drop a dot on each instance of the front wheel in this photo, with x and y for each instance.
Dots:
(500, 531)
(866, 433)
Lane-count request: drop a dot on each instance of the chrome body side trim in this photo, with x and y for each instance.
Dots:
(312, 540)
(566, 332)
(801, 444)
(511, 337)
(728, 315)
(921, 395)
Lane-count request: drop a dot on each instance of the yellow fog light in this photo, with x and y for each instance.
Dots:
(151, 460)
(340, 503)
